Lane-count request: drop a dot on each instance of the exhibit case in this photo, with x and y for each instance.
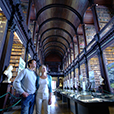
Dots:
(84, 102)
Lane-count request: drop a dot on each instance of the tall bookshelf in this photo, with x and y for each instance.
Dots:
(17, 52)
(109, 64)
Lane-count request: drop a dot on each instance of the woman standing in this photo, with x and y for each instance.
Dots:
(44, 90)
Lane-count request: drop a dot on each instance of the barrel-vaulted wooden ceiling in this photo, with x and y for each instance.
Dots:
(58, 21)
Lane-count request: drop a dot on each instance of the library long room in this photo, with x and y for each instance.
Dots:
(56, 56)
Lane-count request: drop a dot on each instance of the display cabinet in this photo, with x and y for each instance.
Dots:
(93, 103)
(88, 102)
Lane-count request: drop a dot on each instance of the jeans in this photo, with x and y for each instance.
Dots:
(42, 98)
(27, 104)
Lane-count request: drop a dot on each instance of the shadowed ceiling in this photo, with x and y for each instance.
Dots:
(57, 22)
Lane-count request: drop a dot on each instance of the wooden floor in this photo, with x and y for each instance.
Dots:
(57, 107)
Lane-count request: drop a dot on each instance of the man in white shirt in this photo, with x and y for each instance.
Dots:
(25, 84)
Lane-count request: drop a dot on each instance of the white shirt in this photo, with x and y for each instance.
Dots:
(43, 85)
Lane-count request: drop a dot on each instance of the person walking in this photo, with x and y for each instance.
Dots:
(44, 91)
(25, 84)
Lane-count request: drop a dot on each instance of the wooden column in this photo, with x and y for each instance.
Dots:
(57, 81)
(72, 49)
(95, 18)
(28, 13)
(84, 35)
(27, 52)
(102, 65)
(38, 47)
(70, 55)
(64, 62)
(78, 44)
(79, 72)
(37, 42)
(68, 58)
(34, 31)
(26, 55)
(78, 57)
(35, 56)
(67, 61)
(27, 23)
(5, 58)
(40, 54)
(86, 65)
(74, 77)
(85, 44)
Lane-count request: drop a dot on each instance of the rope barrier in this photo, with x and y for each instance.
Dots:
(10, 94)
(13, 104)
(4, 95)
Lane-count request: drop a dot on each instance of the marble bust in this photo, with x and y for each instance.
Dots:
(8, 73)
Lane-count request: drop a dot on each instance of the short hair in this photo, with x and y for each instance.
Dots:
(30, 62)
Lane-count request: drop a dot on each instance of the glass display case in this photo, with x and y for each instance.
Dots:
(91, 97)
(93, 102)
(88, 102)
(87, 97)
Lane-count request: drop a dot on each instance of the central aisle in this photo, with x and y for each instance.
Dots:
(58, 107)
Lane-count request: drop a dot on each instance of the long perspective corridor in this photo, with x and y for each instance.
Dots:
(60, 46)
